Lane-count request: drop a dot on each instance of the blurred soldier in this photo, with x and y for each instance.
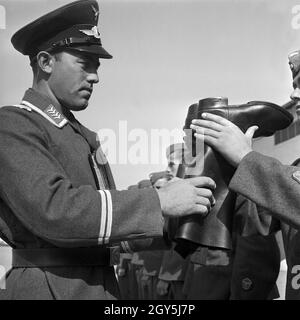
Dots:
(152, 259)
(173, 267)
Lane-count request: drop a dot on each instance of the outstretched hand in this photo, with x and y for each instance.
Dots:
(224, 136)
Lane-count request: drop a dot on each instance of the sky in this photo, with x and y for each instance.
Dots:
(167, 55)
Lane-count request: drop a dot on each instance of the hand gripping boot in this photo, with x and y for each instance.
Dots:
(215, 229)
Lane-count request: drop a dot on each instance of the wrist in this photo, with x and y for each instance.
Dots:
(242, 156)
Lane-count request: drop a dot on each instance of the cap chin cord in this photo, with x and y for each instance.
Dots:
(67, 42)
(76, 41)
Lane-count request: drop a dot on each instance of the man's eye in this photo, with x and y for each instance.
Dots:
(82, 62)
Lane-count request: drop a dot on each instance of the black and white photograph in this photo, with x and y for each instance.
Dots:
(150, 151)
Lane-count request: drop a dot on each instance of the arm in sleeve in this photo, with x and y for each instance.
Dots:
(36, 188)
(269, 184)
(251, 219)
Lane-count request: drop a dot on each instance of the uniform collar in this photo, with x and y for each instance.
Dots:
(39, 103)
(35, 101)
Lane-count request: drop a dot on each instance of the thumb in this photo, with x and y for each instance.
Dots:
(250, 132)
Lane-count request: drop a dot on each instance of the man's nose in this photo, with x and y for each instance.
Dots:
(295, 95)
(93, 77)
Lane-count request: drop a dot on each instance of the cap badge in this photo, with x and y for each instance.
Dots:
(94, 32)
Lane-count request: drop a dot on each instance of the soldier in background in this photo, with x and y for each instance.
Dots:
(173, 267)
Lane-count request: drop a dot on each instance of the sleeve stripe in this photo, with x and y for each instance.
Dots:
(105, 229)
(109, 215)
(103, 217)
(106, 217)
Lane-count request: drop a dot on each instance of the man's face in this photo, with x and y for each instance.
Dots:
(174, 160)
(72, 78)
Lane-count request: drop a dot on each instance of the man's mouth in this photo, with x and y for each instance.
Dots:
(87, 90)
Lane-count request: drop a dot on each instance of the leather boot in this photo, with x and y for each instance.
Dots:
(268, 116)
(215, 229)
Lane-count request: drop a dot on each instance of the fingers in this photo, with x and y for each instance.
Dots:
(204, 202)
(206, 124)
(206, 131)
(218, 119)
(250, 131)
(201, 209)
(211, 141)
(205, 194)
(205, 182)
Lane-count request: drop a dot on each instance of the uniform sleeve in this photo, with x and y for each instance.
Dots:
(256, 261)
(250, 219)
(36, 188)
(271, 185)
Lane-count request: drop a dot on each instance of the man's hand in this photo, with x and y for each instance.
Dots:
(162, 287)
(224, 136)
(182, 197)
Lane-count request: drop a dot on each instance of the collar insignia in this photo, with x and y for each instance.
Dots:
(54, 114)
(296, 176)
(94, 32)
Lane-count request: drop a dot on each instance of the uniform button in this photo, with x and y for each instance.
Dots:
(247, 284)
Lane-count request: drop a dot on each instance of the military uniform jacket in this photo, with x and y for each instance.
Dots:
(247, 272)
(276, 188)
(57, 191)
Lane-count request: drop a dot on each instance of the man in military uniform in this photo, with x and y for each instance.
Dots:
(264, 180)
(59, 209)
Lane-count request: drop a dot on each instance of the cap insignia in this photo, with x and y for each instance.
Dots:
(94, 32)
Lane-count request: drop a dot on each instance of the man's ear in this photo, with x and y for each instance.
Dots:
(45, 61)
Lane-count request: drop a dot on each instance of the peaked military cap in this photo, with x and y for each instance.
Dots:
(71, 26)
(294, 62)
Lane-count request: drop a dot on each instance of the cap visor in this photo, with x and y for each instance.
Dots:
(93, 49)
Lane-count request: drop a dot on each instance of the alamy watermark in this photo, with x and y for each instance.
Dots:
(2, 277)
(139, 146)
(295, 23)
(2, 17)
